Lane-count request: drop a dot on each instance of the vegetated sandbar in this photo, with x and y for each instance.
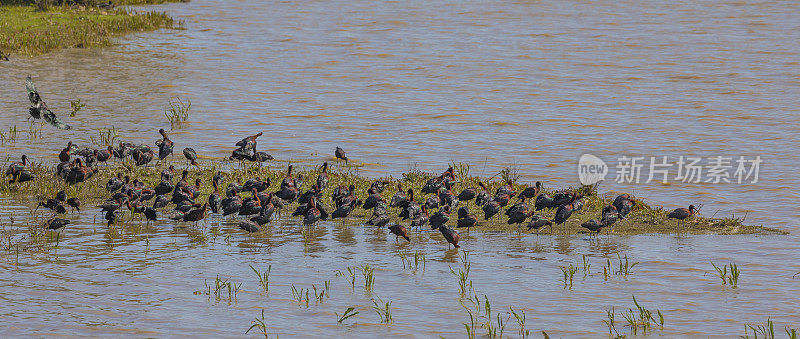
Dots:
(644, 218)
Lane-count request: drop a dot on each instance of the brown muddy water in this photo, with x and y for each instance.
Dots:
(531, 84)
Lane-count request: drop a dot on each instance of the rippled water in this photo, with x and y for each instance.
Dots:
(533, 84)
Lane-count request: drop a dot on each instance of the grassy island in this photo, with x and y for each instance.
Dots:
(30, 28)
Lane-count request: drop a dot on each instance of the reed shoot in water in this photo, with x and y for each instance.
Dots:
(261, 324)
(105, 136)
(10, 136)
(639, 319)
(383, 309)
(520, 318)
(75, 106)
(369, 278)
(178, 111)
(586, 266)
(349, 313)
(731, 278)
(569, 273)
(263, 278)
(350, 275)
(625, 267)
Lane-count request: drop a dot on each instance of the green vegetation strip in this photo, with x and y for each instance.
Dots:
(29, 31)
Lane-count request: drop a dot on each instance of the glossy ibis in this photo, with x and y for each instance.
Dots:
(450, 235)
(538, 222)
(165, 145)
(234, 188)
(446, 196)
(104, 154)
(249, 226)
(619, 199)
(339, 153)
(190, 155)
(65, 154)
(150, 214)
(372, 200)
(312, 213)
(399, 231)
(18, 172)
(39, 110)
(322, 178)
(161, 201)
(214, 200)
(432, 202)
(411, 208)
(56, 223)
(531, 192)
(483, 195)
(625, 207)
(466, 219)
(467, 194)
(420, 218)
(441, 217)
(79, 173)
(563, 213)
(609, 215)
(563, 198)
(490, 209)
(75, 203)
(400, 198)
(142, 155)
(593, 225)
(378, 218)
(231, 205)
(682, 213)
(197, 214)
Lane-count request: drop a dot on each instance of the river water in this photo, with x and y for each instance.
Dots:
(527, 84)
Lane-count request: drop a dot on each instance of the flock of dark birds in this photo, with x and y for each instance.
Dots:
(262, 205)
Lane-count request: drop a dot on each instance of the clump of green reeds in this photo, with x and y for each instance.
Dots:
(639, 319)
(219, 288)
(625, 266)
(569, 273)
(483, 317)
(178, 111)
(520, 317)
(75, 106)
(412, 262)
(350, 275)
(586, 266)
(260, 324)
(464, 283)
(369, 277)
(383, 309)
(105, 136)
(348, 313)
(10, 136)
(263, 278)
(304, 294)
(297, 295)
(731, 278)
(35, 131)
(767, 331)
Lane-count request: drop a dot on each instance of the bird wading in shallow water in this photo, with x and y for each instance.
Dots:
(339, 153)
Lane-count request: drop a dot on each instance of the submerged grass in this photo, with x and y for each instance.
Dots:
(27, 30)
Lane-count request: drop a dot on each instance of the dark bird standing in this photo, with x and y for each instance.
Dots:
(339, 153)
(190, 155)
